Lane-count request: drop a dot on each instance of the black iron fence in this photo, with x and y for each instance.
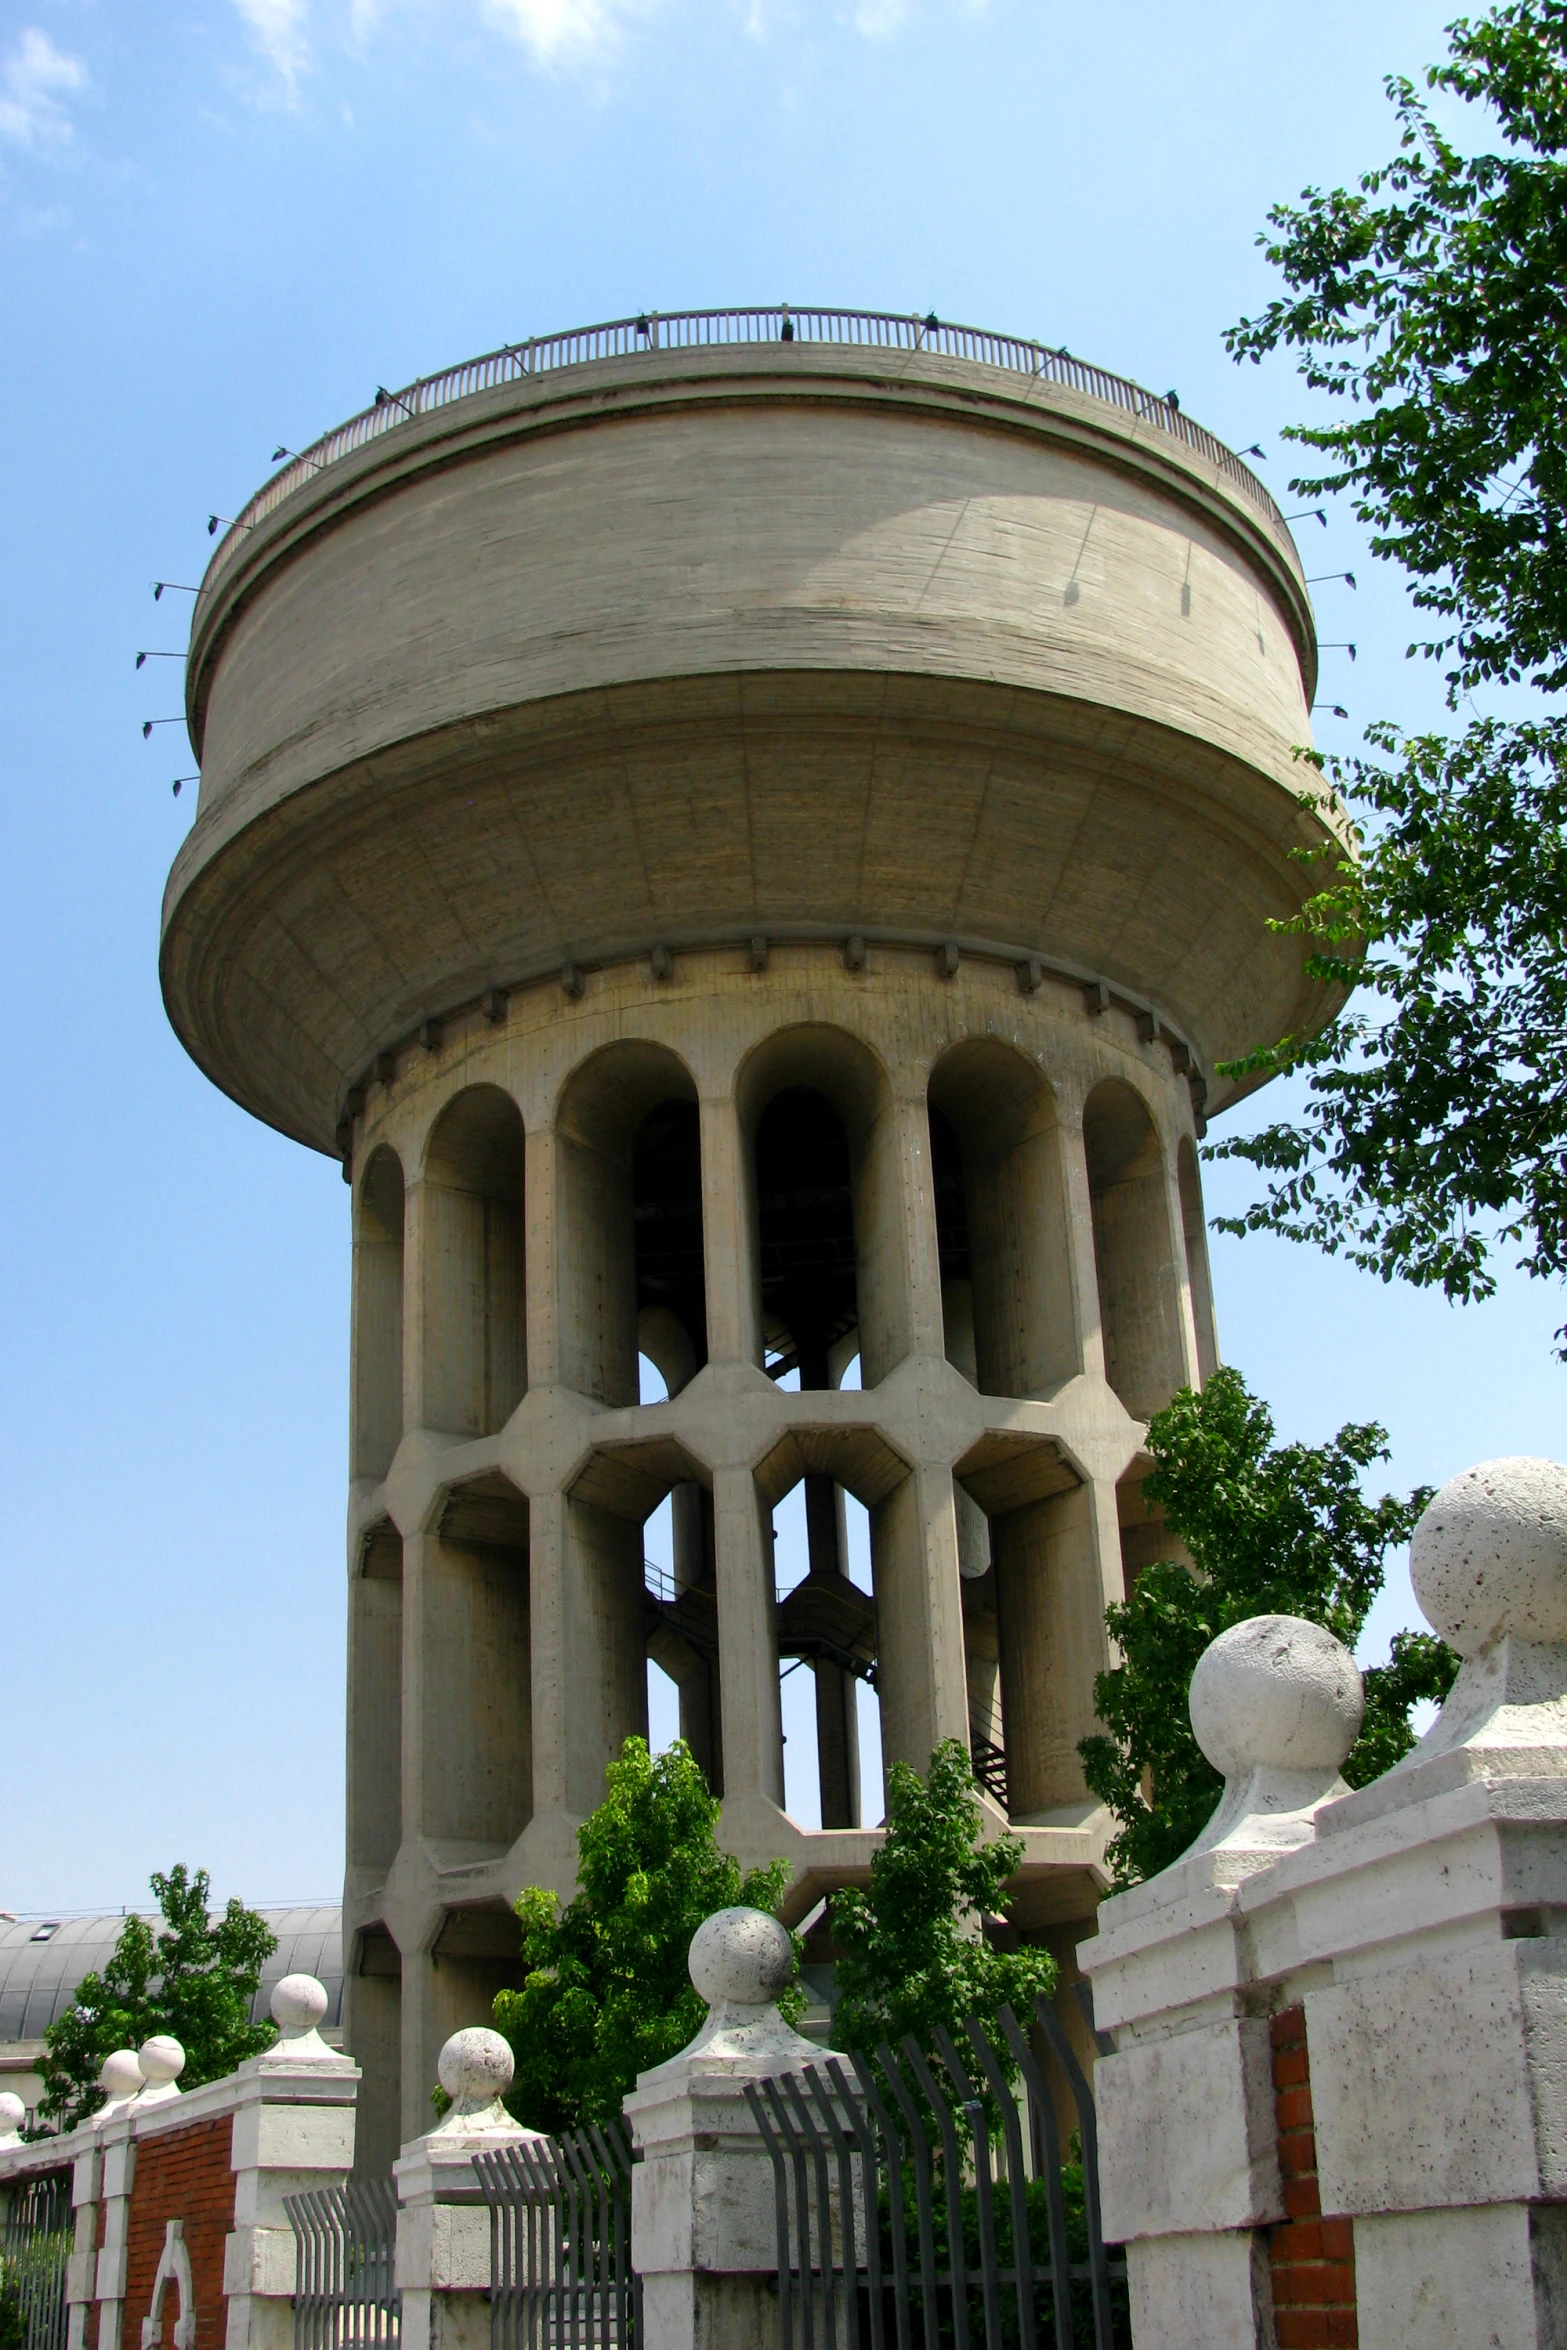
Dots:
(560, 2242)
(926, 2202)
(345, 2291)
(35, 2243)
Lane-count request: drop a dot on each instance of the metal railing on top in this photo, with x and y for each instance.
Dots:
(683, 330)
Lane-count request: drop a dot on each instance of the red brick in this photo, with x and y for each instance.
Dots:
(1298, 2153)
(1288, 2028)
(183, 2175)
(1291, 2068)
(1294, 2108)
(1338, 2239)
(1343, 2330)
(1301, 2329)
(1302, 2197)
(1298, 2239)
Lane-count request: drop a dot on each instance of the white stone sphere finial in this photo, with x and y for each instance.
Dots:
(120, 2078)
(1489, 1557)
(1276, 1705)
(12, 2115)
(1276, 1693)
(298, 2003)
(162, 2061)
(741, 1958)
(475, 2070)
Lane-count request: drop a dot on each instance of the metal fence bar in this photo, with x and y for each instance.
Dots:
(848, 2155)
(35, 2244)
(692, 329)
(1088, 2134)
(345, 2291)
(560, 2242)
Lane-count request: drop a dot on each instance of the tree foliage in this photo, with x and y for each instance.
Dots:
(1431, 300)
(1270, 1530)
(186, 1974)
(606, 1992)
(913, 1953)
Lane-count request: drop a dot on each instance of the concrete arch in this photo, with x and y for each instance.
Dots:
(473, 1293)
(376, 1358)
(1016, 1332)
(603, 1110)
(820, 1058)
(1135, 1257)
(1195, 1233)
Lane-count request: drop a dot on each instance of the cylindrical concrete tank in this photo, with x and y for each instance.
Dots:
(751, 849)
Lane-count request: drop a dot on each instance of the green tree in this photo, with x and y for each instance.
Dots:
(913, 1952)
(188, 1974)
(606, 1992)
(1269, 1530)
(1431, 301)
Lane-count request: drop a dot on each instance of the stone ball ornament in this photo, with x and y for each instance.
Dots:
(1490, 1555)
(1276, 1693)
(12, 2115)
(162, 2061)
(298, 2003)
(741, 1958)
(120, 2075)
(475, 2070)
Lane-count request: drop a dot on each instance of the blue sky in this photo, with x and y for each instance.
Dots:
(222, 224)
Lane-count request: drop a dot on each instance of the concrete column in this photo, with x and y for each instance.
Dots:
(1057, 1563)
(919, 1618)
(541, 1211)
(1081, 1268)
(734, 1312)
(747, 1642)
(837, 1709)
(589, 1658)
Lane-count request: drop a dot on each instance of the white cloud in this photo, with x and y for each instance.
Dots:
(278, 29)
(565, 32)
(33, 80)
(878, 20)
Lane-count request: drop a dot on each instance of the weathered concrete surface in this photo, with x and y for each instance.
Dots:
(911, 647)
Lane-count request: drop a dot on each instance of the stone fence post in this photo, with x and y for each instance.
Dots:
(1337, 2109)
(702, 2206)
(443, 2222)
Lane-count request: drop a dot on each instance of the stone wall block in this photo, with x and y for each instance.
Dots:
(1424, 2081)
(1186, 2133)
(1488, 2278)
(1209, 2289)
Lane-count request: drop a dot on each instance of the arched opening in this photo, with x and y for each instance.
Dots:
(826, 1623)
(630, 1230)
(475, 1367)
(1195, 1231)
(1002, 1221)
(376, 1372)
(1134, 1252)
(476, 1638)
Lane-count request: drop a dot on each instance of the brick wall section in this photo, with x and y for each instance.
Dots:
(1313, 2259)
(183, 2175)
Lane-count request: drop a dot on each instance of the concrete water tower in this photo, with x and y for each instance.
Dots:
(748, 836)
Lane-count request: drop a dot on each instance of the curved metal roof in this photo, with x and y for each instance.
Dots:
(39, 1971)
